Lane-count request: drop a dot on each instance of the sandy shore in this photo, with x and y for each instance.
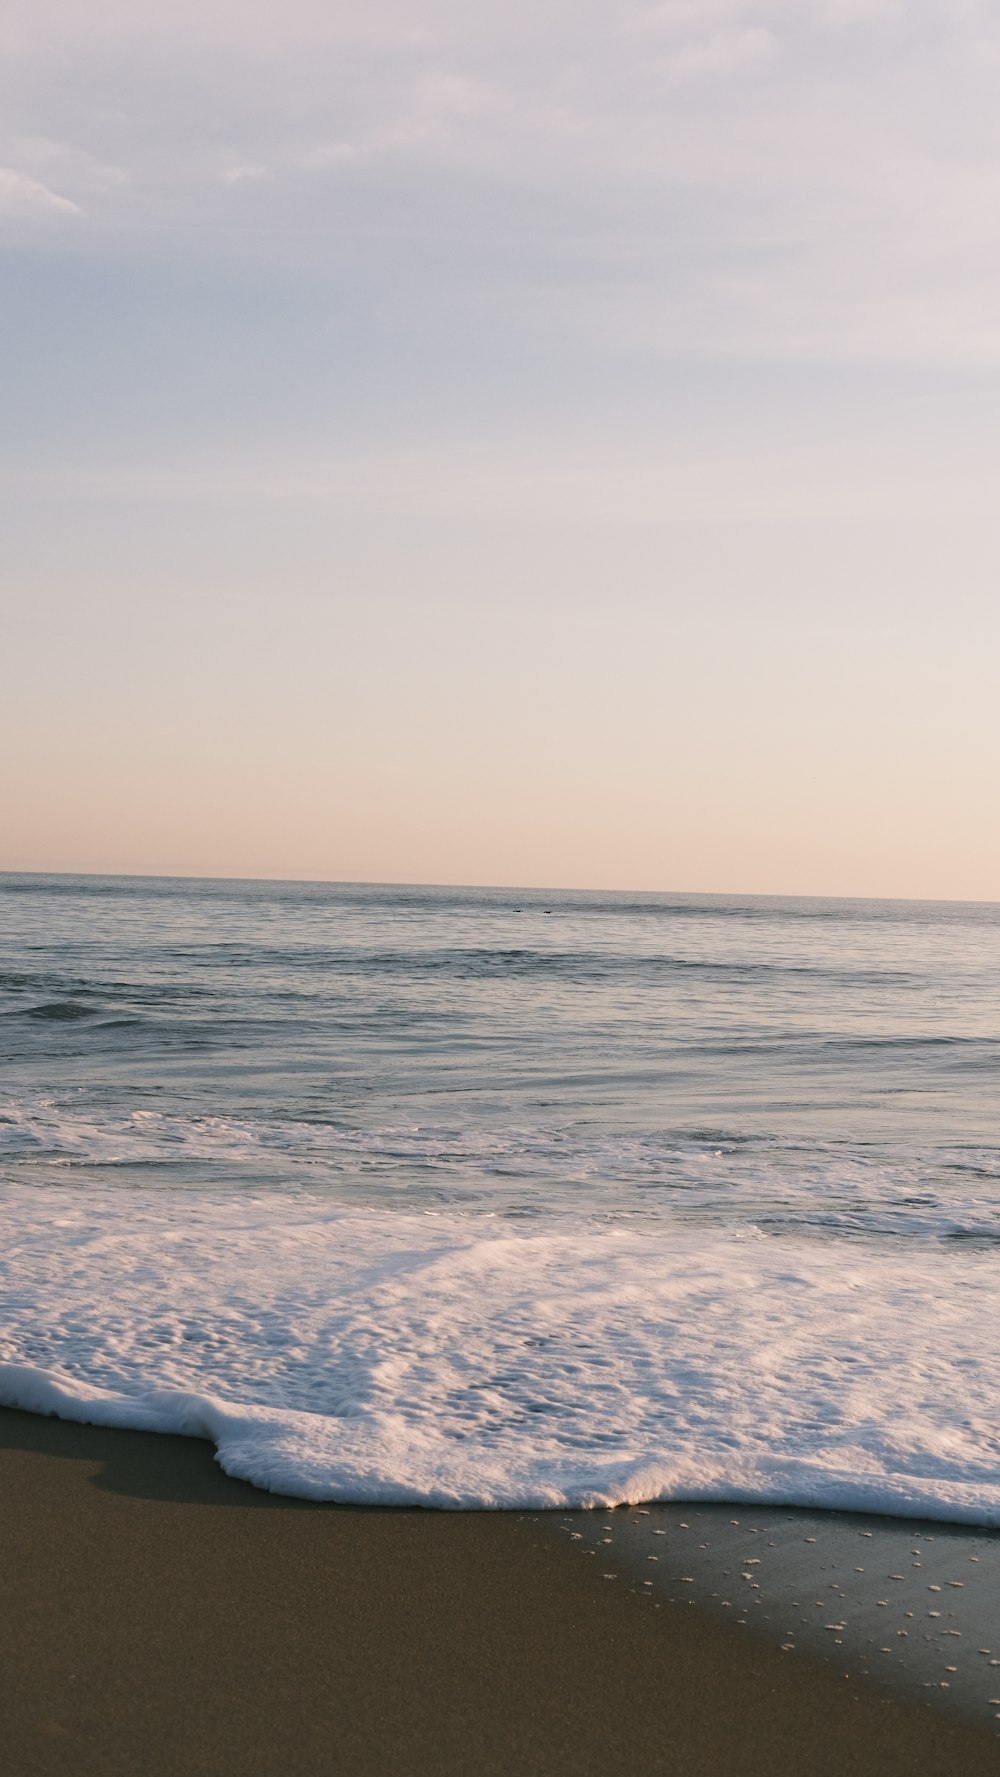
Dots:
(913, 1602)
(159, 1618)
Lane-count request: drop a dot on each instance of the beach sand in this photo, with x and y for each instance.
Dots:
(159, 1618)
(912, 1601)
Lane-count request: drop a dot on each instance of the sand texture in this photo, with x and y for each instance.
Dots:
(160, 1618)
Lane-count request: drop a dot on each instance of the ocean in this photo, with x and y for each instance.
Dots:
(473, 1197)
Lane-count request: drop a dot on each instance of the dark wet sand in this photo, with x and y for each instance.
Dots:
(158, 1618)
(914, 1603)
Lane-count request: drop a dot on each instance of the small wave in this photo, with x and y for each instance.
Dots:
(847, 1190)
(395, 1359)
(58, 1011)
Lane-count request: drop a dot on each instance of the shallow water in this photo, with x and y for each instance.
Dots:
(490, 1197)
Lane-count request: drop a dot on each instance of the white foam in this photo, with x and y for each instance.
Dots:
(457, 1361)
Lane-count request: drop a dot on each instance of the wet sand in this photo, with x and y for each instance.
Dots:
(160, 1618)
(915, 1602)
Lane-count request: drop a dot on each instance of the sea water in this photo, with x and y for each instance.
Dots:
(477, 1197)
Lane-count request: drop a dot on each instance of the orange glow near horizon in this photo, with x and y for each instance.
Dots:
(661, 746)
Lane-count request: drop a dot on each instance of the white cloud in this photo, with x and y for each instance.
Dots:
(756, 177)
(330, 154)
(21, 196)
(852, 12)
(71, 167)
(441, 111)
(238, 172)
(721, 53)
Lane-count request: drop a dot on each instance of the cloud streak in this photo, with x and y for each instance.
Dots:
(23, 197)
(815, 179)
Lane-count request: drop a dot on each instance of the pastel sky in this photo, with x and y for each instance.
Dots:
(531, 443)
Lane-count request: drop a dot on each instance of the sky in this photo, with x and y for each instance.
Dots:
(538, 444)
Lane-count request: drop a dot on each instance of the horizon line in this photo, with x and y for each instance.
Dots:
(503, 887)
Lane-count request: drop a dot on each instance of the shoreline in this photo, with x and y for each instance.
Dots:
(162, 1617)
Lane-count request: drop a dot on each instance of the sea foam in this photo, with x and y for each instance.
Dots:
(458, 1361)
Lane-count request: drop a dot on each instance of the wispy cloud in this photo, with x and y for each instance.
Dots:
(237, 172)
(21, 196)
(758, 177)
(720, 52)
(71, 167)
